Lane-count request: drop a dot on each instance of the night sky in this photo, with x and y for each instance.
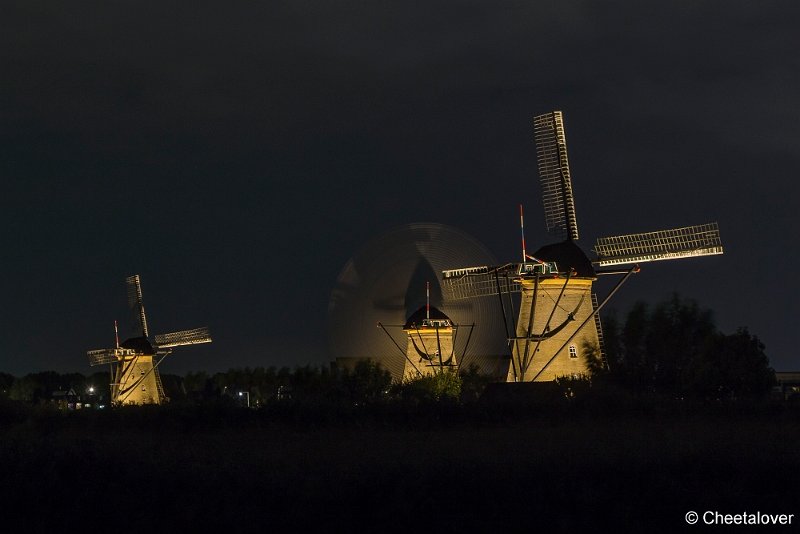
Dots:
(237, 154)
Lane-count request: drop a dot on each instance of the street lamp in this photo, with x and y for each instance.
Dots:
(242, 393)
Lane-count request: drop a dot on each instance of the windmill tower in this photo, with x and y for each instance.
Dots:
(557, 328)
(135, 361)
(431, 346)
(381, 284)
(431, 338)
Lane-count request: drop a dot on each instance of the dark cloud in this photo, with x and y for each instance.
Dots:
(226, 150)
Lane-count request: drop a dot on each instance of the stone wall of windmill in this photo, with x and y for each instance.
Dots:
(428, 353)
(430, 343)
(136, 382)
(576, 302)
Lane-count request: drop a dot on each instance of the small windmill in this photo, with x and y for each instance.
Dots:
(135, 361)
(381, 282)
(558, 313)
(431, 341)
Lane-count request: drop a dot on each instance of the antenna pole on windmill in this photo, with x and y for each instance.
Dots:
(116, 333)
(428, 300)
(522, 230)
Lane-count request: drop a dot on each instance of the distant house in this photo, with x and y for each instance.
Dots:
(66, 399)
(69, 400)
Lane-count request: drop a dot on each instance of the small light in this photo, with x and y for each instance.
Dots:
(240, 393)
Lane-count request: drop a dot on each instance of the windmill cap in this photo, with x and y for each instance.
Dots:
(418, 316)
(567, 255)
(139, 344)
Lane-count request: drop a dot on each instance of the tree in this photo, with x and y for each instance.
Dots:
(195, 383)
(173, 387)
(594, 359)
(678, 331)
(731, 366)
(38, 387)
(23, 389)
(635, 365)
(677, 349)
(473, 382)
(6, 380)
(368, 382)
(437, 387)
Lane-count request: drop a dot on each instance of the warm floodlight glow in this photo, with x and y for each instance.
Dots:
(554, 177)
(700, 240)
(136, 304)
(481, 281)
(194, 336)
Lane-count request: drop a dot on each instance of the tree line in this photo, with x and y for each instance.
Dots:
(672, 348)
(366, 383)
(675, 348)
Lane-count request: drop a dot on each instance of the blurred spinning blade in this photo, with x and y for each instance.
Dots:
(385, 282)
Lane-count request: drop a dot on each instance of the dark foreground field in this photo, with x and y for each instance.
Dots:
(385, 469)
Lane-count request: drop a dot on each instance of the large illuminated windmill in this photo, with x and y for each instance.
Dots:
(135, 361)
(558, 321)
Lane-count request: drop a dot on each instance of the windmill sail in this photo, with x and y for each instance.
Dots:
(194, 336)
(700, 240)
(481, 281)
(102, 356)
(136, 304)
(106, 356)
(554, 177)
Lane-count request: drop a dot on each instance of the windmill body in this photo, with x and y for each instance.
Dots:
(137, 381)
(552, 306)
(430, 348)
(557, 330)
(135, 361)
(528, 351)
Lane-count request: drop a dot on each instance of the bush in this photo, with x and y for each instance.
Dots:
(441, 386)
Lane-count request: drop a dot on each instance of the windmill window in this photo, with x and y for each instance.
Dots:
(573, 351)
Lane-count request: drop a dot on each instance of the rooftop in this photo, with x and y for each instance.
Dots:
(416, 319)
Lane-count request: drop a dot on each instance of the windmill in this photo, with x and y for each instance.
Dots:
(557, 329)
(135, 361)
(431, 341)
(381, 283)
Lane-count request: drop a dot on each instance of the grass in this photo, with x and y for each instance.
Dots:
(386, 468)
